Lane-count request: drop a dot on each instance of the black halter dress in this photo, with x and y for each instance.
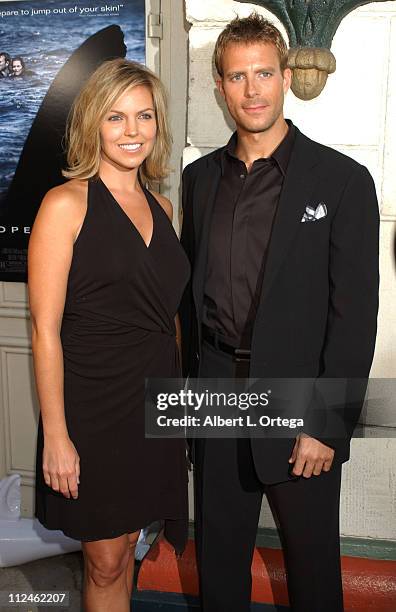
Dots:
(118, 328)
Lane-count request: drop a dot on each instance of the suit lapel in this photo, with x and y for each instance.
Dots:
(204, 199)
(298, 185)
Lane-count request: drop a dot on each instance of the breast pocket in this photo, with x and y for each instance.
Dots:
(314, 236)
(310, 255)
(316, 223)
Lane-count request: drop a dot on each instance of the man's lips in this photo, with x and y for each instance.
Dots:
(258, 108)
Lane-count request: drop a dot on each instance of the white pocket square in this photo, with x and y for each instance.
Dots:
(314, 214)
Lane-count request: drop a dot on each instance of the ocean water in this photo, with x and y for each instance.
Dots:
(45, 42)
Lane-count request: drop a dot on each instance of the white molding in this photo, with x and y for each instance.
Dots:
(3, 461)
(14, 342)
(153, 44)
(28, 478)
(10, 467)
(375, 10)
(18, 301)
(14, 313)
(389, 183)
(173, 72)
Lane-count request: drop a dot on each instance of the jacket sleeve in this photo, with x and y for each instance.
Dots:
(352, 315)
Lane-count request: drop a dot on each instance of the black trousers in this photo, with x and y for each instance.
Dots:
(228, 496)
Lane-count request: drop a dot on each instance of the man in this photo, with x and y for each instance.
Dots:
(5, 60)
(282, 235)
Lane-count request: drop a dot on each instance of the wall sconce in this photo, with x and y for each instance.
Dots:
(311, 25)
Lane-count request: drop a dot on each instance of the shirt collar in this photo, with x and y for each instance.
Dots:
(281, 155)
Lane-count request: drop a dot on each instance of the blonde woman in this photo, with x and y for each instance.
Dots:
(106, 273)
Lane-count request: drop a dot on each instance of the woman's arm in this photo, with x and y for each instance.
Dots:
(49, 259)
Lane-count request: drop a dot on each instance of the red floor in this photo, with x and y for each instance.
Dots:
(369, 584)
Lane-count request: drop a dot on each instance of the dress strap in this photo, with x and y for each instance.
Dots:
(93, 184)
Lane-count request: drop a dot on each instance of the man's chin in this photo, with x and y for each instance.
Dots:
(256, 127)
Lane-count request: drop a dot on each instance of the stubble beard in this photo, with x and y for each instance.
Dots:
(264, 126)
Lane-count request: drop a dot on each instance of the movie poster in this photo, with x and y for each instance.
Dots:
(48, 49)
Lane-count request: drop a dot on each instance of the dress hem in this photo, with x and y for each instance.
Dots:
(118, 533)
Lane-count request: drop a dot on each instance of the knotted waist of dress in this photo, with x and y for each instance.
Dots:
(102, 329)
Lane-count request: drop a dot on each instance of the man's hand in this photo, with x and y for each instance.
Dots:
(310, 456)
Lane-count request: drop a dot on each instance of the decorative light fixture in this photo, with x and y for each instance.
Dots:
(311, 25)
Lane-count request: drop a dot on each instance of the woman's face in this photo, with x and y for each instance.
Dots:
(128, 131)
(17, 67)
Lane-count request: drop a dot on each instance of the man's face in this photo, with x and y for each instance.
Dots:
(3, 62)
(253, 85)
(17, 67)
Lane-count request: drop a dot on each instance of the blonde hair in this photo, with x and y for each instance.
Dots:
(96, 98)
(248, 30)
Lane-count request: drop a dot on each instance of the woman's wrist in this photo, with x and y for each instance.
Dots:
(57, 432)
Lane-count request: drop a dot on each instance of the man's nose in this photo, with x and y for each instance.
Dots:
(250, 88)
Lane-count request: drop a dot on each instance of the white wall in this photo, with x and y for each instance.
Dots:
(356, 114)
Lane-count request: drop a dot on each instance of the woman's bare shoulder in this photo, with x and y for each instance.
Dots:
(165, 203)
(71, 193)
(64, 204)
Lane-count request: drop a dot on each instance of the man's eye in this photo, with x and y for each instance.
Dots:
(236, 77)
(265, 74)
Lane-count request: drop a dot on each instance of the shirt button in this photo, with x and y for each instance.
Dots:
(241, 176)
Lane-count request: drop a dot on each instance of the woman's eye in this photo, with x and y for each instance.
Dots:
(146, 116)
(114, 118)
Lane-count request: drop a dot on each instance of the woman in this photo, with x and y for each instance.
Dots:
(106, 273)
(17, 67)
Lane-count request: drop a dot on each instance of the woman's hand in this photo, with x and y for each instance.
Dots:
(61, 466)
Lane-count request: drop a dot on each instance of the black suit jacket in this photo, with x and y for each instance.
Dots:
(317, 314)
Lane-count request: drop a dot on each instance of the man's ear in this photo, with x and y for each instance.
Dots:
(287, 79)
(219, 85)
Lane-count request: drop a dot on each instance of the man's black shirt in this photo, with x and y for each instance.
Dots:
(240, 232)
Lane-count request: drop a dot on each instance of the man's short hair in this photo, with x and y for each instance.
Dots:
(248, 30)
(6, 56)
